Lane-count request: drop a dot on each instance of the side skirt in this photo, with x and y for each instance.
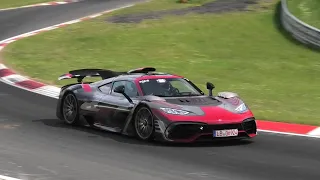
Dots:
(111, 129)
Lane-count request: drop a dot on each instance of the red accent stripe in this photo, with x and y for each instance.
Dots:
(86, 87)
(4, 44)
(62, 25)
(18, 38)
(285, 127)
(85, 18)
(29, 84)
(6, 72)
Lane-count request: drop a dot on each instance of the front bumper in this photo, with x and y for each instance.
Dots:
(195, 132)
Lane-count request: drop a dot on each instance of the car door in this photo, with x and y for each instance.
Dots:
(103, 113)
(115, 108)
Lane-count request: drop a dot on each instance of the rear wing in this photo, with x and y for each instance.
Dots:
(80, 74)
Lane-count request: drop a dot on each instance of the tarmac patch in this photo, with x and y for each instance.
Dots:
(218, 6)
(3, 94)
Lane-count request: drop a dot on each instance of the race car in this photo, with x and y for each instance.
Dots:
(153, 106)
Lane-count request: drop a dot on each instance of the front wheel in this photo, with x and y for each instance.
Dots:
(70, 109)
(143, 123)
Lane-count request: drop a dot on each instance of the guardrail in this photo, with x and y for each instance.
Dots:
(299, 30)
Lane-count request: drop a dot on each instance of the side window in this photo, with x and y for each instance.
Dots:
(129, 88)
(106, 88)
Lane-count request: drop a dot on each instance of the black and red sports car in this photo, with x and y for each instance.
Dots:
(154, 106)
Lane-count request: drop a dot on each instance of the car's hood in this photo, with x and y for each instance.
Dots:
(203, 109)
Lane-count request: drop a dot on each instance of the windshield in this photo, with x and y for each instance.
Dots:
(168, 87)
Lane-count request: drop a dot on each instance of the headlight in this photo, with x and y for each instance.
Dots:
(242, 108)
(174, 111)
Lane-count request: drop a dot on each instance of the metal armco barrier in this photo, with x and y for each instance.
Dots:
(299, 30)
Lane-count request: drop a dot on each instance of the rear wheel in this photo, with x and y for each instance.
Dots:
(143, 123)
(70, 109)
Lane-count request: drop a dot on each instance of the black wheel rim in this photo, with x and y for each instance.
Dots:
(69, 108)
(144, 123)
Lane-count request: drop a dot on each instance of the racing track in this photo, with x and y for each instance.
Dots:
(35, 145)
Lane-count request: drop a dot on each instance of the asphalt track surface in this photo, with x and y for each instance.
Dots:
(35, 145)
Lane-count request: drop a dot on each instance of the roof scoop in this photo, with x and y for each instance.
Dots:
(142, 70)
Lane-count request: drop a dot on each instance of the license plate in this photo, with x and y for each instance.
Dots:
(225, 133)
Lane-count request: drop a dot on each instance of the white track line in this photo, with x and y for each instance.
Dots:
(8, 178)
(289, 134)
(52, 3)
(31, 33)
(315, 132)
(50, 91)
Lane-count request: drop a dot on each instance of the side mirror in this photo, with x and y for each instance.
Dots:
(120, 89)
(210, 87)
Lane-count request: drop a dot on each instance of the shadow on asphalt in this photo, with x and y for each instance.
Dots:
(55, 123)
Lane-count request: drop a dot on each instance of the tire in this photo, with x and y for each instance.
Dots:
(70, 105)
(144, 124)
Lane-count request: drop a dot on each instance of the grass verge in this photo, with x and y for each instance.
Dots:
(240, 51)
(306, 10)
(17, 3)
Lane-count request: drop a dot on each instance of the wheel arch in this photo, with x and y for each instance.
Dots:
(141, 104)
(129, 128)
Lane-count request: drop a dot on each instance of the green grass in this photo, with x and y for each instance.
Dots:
(240, 52)
(306, 10)
(17, 3)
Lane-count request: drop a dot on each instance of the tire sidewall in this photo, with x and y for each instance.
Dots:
(150, 137)
(75, 120)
